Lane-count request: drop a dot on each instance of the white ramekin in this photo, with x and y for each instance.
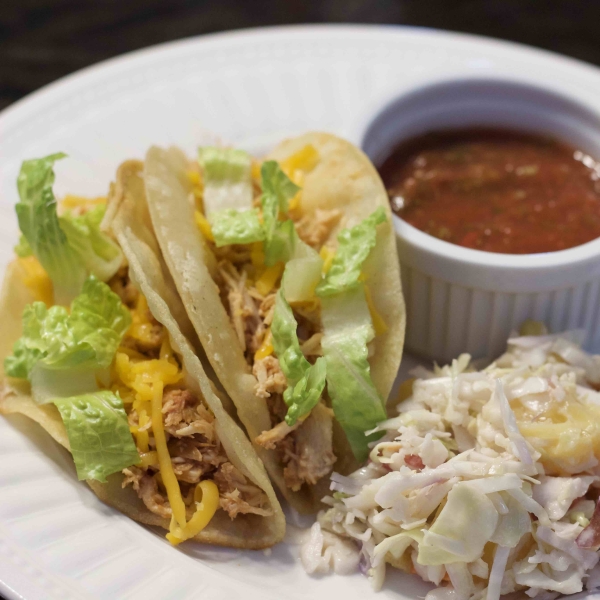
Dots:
(463, 300)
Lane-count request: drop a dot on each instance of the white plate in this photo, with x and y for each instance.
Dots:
(57, 541)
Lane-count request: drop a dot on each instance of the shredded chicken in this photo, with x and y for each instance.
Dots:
(121, 285)
(194, 447)
(312, 346)
(315, 228)
(269, 439)
(306, 449)
(237, 495)
(243, 309)
(312, 457)
(155, 502)
(269, 376)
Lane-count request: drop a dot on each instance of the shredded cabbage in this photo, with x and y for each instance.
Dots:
(485, 478)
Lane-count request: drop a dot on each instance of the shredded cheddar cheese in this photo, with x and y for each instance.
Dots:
(164, 459)
(327, 254)
(379, 324)
(206, 496)
(266, 348)
(141, 322)
(195, 178)
(70, 202)
(268, 278)
(257, 255)
(36, 279)
(305, 159)
(204, 226)
(296, 167)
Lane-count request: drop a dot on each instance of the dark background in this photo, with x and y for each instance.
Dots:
(42, 40)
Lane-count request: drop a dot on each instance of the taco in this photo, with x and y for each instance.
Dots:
(289, 273)
(116, 379)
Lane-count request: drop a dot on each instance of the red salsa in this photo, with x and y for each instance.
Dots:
(496, 190)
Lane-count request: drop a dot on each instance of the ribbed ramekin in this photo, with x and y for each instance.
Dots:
(463, 300)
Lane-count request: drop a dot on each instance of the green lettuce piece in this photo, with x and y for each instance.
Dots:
(276, 185)
(302, 273)
(61, 352)
(39, 224)
(227, 179)
(277, 190)
(356, 403)
(99, 435)
(100, 255)
(305, 394)
(355, 244)
(231, 226)
(23, 249)
(305, 381)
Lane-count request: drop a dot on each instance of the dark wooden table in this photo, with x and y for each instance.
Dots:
(42, 40)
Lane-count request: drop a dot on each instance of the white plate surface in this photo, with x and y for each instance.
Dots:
(57, 541)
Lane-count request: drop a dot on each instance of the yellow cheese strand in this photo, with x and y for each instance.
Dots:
(36, 279)
(164, 459)
(205, 510)
(204, 226)
(266, 348)
(269, 277)
(379, 324)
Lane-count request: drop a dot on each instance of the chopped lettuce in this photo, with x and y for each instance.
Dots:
(39, 224)
(99, 435)
(100, 255)
(227, 179)
(60, 352)
(302, 272)
(347, 329)
(355, 244)
(276, 185)
(230, 226)
(277, 190)
(305, 381)
(23, 249)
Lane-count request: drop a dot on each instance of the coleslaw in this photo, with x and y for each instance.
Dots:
(485, 483)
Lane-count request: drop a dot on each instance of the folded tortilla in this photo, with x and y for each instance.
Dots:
(127, 217)
(344, 179)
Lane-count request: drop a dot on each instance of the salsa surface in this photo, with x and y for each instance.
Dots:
(496, 190)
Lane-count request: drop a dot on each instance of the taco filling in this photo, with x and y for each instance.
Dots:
(192, 443)
(126, 400)
(282, 283)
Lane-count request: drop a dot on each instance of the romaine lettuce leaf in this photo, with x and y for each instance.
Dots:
(305, 394)
(277, 190)
(23, 249)
(232, 226)
(38, 221)
(347, 329)
(61, 351)
(276, 185)
(99, 435)
(226, 178)
(305, 381)
(100, 255)
(355, 244)
(302, 273)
